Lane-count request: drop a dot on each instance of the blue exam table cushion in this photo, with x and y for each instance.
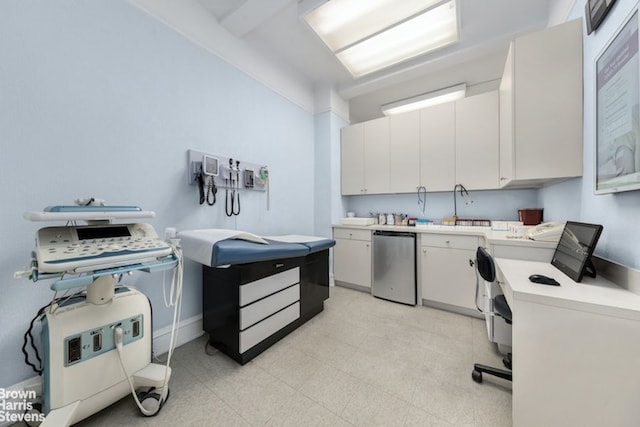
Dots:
(231, 251)
(319, 245)
(217, 247)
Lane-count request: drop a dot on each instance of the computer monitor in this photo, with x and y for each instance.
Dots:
(573, 253)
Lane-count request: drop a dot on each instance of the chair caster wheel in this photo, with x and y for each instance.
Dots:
(477, 376)
(506, 361)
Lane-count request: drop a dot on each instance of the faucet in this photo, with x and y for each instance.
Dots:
(422, 197)
(465, 195)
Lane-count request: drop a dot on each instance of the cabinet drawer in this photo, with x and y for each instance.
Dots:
(268, 285)
(450, 241)
(257, 270)
(268, 327)
(351, 234)
(259, 310)
(523, 252)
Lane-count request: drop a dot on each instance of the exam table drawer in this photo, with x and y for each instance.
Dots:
(253, 291)
(268, 327)
(259, 310)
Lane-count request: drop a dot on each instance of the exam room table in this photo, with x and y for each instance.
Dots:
(257, 290)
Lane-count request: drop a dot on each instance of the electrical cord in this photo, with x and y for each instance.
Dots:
(175, 300)
(28, 335)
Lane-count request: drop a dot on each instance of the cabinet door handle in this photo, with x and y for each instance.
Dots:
(447, 242)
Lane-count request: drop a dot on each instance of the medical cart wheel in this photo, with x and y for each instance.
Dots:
(477, 376)
(150, 401)
(36, 409)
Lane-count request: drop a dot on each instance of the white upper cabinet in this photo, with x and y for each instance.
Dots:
(352, 159)
(541, 107)
(437, 147)
(477, 142)
(364, 158)
(404, 152)
(376, 156)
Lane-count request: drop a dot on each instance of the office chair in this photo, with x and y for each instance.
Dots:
(487, 270)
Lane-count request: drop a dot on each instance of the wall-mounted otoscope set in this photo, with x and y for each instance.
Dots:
(210, 172)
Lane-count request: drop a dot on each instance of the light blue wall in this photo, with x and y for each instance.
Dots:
(618, 213)
(99, 99)
(328, 202)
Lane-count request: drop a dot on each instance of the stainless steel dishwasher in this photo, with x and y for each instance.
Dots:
(394, 266)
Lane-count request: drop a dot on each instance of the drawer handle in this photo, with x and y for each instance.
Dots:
(447, 242)
(278, 265)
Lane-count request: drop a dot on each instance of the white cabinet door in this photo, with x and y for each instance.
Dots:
(352, 262)
(352, 159)
(437, 147)
(548, 102)
(404, 152)
(541, 107)
(376, 156)
(506, 121)
(477, 142)
(448, 277)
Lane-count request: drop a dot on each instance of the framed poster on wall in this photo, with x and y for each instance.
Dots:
(595, 11)
(617, 111)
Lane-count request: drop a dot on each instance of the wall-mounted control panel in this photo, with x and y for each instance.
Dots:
(226, 172)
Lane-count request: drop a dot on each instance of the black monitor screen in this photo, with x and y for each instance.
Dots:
(575, 247)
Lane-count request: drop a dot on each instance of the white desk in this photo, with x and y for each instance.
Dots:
(576, 349)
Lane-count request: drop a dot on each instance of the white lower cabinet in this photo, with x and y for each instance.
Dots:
(447, 276)
(352, 258)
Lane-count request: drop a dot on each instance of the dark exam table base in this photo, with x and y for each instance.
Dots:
(221, 292)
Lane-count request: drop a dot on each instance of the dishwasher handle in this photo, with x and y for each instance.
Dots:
(395, 234)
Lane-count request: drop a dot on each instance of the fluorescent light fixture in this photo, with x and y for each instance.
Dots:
(370, 35)
(426, 100)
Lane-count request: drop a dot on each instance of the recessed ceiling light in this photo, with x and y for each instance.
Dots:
(426, 100)
(370, 35)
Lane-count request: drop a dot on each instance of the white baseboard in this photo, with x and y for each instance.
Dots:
(188, 330)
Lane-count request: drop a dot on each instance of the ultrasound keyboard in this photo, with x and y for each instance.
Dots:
(93, 247)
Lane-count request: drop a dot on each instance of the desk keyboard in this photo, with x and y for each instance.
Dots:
(88, 248)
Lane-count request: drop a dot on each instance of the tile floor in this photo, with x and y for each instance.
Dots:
(362, 361)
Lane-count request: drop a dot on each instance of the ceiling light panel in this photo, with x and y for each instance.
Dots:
(424, 33)
(340, 23)
(370, 35)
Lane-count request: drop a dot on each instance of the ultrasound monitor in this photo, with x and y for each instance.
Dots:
(574, 250)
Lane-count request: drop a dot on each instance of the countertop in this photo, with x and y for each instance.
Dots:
(595, 295)
(492, 236)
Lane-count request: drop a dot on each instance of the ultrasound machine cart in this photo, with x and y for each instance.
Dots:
(97, 340)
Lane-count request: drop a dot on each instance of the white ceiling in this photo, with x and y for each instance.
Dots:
(275, 30)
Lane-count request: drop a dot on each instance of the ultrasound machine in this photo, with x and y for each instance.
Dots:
(96, 334)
